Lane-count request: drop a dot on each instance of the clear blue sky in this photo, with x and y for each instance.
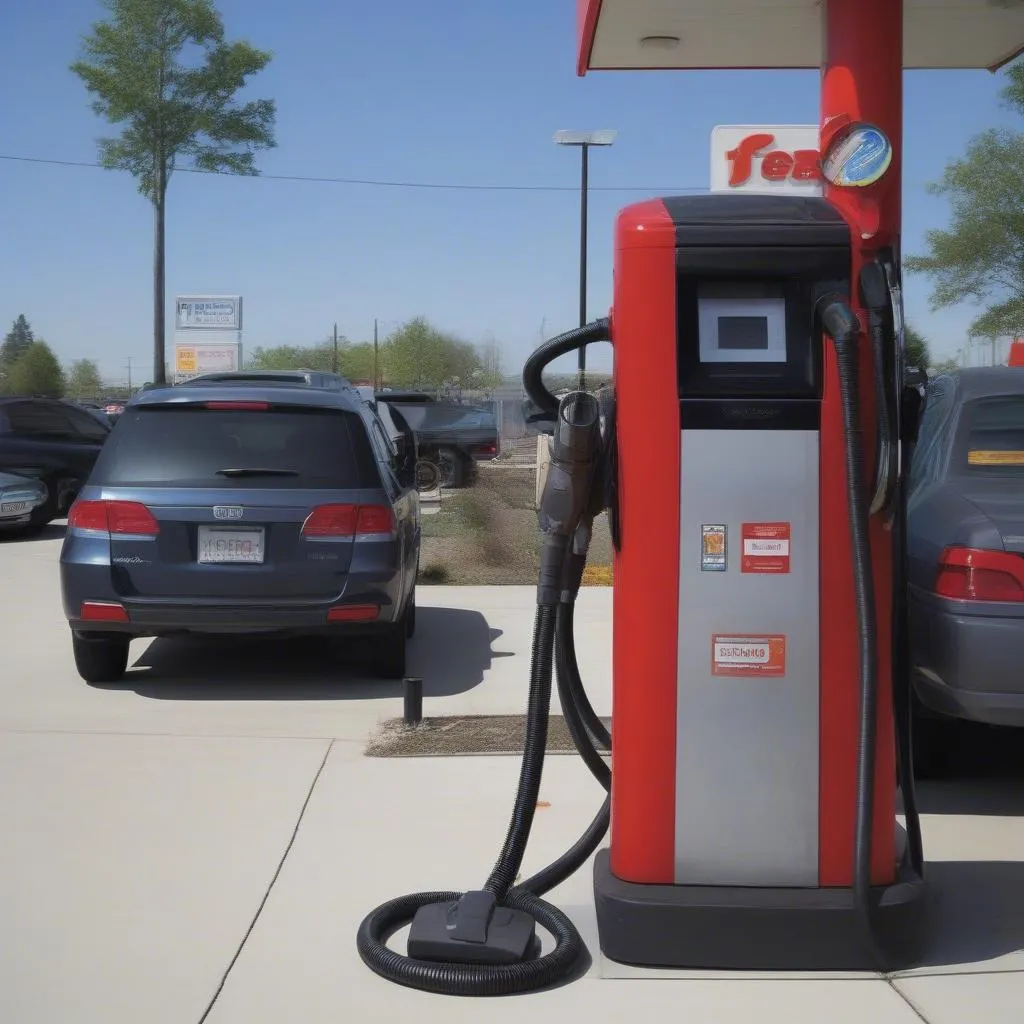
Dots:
(465, 91)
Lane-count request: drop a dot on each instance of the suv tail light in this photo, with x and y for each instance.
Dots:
(348, 521)
(120, 518)
(976, 574)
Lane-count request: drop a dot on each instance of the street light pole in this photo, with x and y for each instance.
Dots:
(584, 151)
(584, 140)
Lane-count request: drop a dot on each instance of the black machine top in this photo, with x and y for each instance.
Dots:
(734, 219)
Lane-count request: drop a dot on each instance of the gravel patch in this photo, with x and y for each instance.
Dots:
(465, 734)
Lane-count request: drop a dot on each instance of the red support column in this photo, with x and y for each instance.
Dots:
(862, 80)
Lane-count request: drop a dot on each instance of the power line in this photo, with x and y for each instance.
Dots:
(376, 182)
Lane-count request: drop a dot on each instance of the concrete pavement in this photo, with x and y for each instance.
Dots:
(201, 842)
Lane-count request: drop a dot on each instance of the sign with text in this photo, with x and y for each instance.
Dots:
(192, 360)
(744, 655)
(765, 547)
(769, 160)
(208, 313)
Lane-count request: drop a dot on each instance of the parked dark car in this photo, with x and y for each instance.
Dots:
(51, 441)
(241, 506)
(966, 556)
(453, 436)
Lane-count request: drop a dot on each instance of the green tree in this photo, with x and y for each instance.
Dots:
(355, 361)
(946, 366)
(16, 344)
(916, 344)
(293, 357)
(490, 373)
(163, 70)
(36, 373)
(418, 354)
(83, 379)
(980, 257)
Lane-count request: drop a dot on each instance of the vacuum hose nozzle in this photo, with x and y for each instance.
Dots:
(838, 320)
(566, 498)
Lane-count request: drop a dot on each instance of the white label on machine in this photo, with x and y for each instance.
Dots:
(765, 547)
(748, 655)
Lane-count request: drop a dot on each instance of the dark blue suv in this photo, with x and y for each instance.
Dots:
(244, 504)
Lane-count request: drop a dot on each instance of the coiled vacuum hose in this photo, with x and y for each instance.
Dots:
(563, 344)
(493, 980)
(844, 328)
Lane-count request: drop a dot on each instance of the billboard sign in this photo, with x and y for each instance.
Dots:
(767, 160)
(208, 313)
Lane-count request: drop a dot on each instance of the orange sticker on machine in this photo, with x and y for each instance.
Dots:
(765, 547)
(736, 654)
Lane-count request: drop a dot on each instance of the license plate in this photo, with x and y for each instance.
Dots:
(13, 508)
(218, 545)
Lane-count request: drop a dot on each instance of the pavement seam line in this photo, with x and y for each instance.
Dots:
(270, 886)
(912, 1006)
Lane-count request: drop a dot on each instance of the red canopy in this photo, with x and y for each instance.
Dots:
(668, 34)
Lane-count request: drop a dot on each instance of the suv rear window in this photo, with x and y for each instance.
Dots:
(190, 446)
(995, 435)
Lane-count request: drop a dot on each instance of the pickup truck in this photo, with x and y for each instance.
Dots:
(453, 436)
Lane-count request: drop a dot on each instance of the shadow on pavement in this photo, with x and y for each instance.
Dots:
(984, 774)
(975, 911)
(450, 652)
(52, 531)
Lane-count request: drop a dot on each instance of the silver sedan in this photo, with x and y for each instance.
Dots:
(20, 496)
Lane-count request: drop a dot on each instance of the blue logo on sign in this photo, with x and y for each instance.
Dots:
(858, 158)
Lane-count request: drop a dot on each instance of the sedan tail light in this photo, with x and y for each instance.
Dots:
(348, 521)
(116, 518)
(977, 574)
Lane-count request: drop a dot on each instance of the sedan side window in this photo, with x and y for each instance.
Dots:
(87, 427)
(928, 458)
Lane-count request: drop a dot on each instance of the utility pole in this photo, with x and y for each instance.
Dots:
(129, 375)
(376, 372)
(334, 358)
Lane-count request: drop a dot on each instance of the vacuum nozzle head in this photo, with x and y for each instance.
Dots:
(838, 320)
(576, 437)
(568, 489)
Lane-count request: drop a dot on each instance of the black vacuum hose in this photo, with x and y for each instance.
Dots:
(560, 345)
(575, 702)
(842, 325)
(877, 298)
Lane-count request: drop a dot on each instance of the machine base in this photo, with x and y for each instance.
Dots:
(754, 929)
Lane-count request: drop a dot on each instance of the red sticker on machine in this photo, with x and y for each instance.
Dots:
(738, 655)
(765, 547)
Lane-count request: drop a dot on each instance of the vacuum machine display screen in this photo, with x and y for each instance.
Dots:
(742, 333)
(741, 330)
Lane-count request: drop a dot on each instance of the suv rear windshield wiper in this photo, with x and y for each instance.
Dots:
(256, 471)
